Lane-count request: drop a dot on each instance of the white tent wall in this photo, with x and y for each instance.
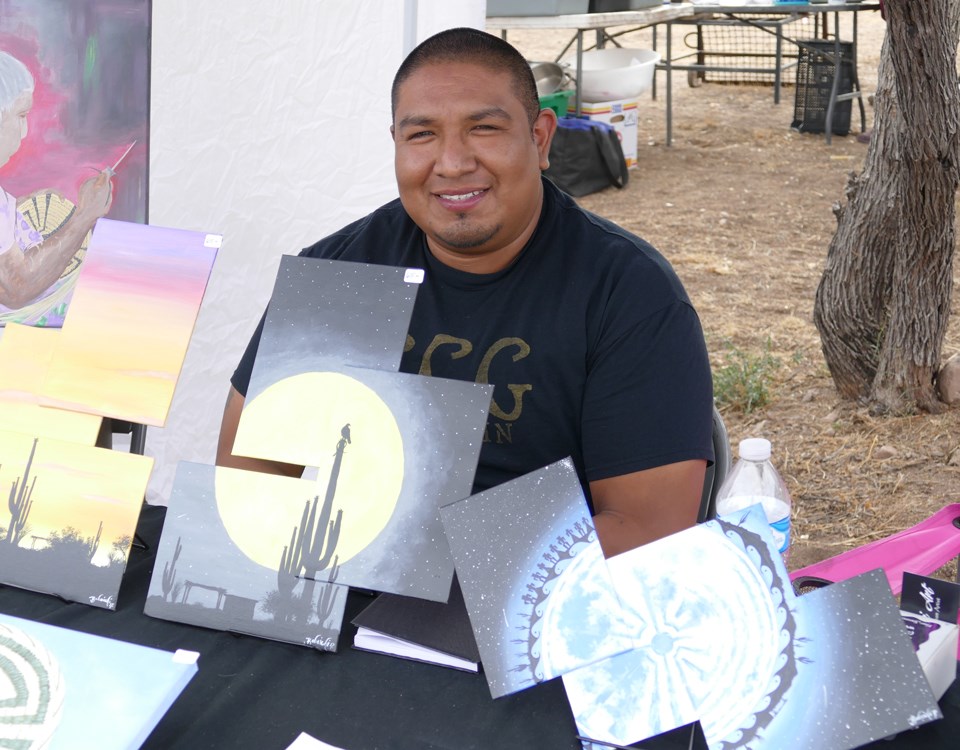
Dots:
(269, 125)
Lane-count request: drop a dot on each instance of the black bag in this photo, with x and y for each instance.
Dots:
(585, 157)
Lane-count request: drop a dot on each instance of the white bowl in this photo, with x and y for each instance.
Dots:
(614, 73)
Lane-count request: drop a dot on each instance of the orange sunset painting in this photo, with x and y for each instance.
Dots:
(70, 518)
(25, 353)
(122, 345)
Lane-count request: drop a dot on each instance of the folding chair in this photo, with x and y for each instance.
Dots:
(722, 458)
(921, 549)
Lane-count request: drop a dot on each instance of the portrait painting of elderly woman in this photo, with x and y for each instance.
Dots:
(74, 99)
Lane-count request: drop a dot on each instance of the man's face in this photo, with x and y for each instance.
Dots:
(13, 126)
(468, 163)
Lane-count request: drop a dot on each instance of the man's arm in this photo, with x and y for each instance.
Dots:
(228, 433)
(636, 508)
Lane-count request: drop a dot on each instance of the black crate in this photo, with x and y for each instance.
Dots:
(815, 67)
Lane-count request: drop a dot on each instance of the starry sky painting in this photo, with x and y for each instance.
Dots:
(94, 691)
(325, 311)
(203, 577)
(539, 596)
(324, 314)
(738, 651)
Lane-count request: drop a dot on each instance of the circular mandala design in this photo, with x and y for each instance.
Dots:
(32, 691)
(543, 656)
(710, 642)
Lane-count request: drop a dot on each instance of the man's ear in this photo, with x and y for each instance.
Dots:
(543, 129)
(393, 134)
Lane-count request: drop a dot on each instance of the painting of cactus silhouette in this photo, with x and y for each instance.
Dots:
(169, 577)
(69, 512)
(312, 545)
(405, 444)
(202, 576)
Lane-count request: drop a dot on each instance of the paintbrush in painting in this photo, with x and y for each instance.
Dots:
(113, 170)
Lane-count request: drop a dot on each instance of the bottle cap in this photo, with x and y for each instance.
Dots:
(755, 449)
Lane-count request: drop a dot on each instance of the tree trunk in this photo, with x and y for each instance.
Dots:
(884, 299)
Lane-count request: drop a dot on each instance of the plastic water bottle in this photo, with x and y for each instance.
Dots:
(752, 481)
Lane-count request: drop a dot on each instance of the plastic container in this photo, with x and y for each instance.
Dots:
(557, 101)
(614, 73)
(754, 481)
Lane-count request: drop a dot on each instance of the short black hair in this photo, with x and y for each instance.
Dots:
(473, 46)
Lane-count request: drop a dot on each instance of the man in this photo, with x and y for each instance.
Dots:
(585, 331)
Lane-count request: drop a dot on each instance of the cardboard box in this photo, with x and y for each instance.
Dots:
(935, 642)
(622, 115)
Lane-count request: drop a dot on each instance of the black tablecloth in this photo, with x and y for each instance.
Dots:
(258, 694)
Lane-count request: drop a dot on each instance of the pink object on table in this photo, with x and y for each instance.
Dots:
(921, 549)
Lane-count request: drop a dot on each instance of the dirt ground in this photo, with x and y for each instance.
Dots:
(742, 206)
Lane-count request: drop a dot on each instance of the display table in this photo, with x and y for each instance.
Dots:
(257, 694)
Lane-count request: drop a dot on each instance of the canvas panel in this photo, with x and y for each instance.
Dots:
(90, 63)
(71, 516)
(25, 354)
(72, 689)
(757, 666)
(539, 595)
(224, 560)
(324, 314)
(131, 318)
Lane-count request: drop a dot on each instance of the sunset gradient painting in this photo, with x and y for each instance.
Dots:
(71, 517)
(132, 315)
(25, 354)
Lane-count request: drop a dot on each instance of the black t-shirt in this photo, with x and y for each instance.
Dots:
(588, 337)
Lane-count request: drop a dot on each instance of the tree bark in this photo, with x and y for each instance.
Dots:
(884, 299)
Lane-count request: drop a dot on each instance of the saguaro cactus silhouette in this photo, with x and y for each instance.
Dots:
(320, 535)
(328, 595)
(288, 572)
(93, 544)
(170, 572)
(19, 502)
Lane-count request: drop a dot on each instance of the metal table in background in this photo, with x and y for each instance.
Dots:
(746, 15)
(687, 13)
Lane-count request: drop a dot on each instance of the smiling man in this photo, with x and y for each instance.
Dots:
(585, 331)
